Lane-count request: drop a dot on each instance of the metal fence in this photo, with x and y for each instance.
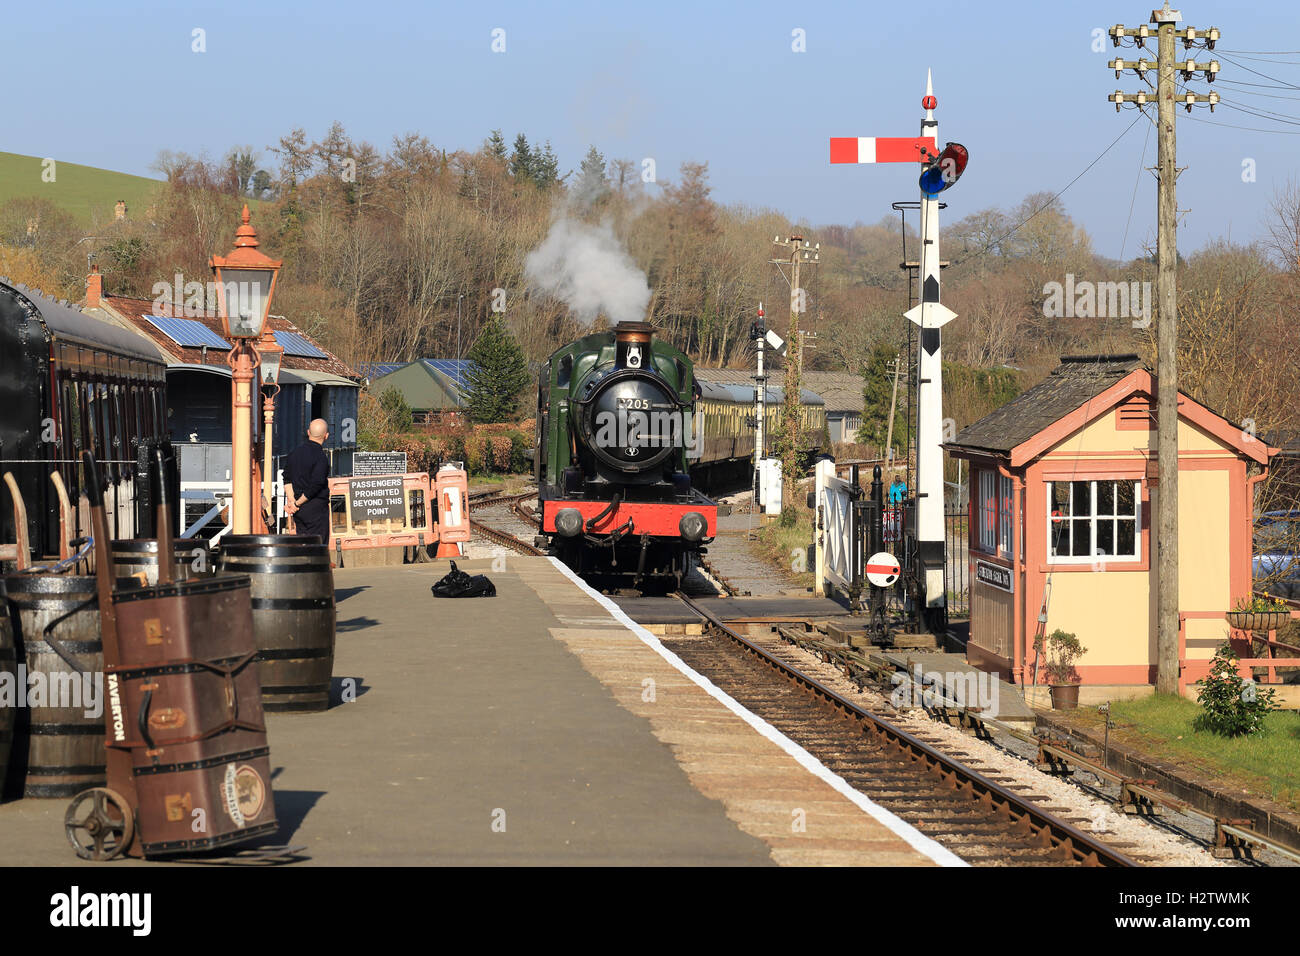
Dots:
(956, 571)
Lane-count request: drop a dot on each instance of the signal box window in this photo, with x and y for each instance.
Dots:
(1092, 519)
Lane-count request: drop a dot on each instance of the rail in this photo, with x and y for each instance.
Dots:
(1073, 843)
(1054, 754)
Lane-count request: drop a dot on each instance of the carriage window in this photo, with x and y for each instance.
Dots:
(71, 419)
(91, 426)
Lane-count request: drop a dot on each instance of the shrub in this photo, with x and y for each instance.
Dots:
(1063, 649)
(1232, 706)
(519, 445)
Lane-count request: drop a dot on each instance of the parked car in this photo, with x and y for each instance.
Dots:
(1276, 563)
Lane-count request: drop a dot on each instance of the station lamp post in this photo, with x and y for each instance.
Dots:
(272, 355)
(245, 282)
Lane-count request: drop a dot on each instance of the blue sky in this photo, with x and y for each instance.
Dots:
(1018, 83)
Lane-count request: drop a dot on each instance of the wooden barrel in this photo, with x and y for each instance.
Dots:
(58, 750)
(9, 676)
(135, 555)
(292, 591)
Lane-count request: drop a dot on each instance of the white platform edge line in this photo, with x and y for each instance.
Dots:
(899, 827)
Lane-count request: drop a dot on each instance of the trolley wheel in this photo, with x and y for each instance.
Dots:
(99, 823)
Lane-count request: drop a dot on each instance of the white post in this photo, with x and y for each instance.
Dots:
(825, 469)
(931, 316)
(759, 408)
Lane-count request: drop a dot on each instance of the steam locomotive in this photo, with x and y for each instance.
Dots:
(615, 432)
(625, 432)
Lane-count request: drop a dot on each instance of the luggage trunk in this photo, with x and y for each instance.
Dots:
(187, 756)
(191, 715)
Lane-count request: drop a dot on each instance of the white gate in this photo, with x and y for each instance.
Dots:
(834, 498)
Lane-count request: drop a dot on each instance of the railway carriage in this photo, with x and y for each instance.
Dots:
(725, 419)
(68, 383)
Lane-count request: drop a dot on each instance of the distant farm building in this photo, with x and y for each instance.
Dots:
(433, 388)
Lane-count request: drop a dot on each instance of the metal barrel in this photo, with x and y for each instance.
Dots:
(135, 555)
(8, 708)
(58, 748)
(292, 591)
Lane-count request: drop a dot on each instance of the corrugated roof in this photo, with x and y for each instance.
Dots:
(1070, 385)
(137, 311)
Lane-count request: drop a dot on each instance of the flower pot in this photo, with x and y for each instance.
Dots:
(1257, 620)
(1064, 696)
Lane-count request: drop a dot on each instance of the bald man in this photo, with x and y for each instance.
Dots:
(306, 475)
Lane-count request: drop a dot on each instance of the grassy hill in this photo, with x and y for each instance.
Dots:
(85, 192)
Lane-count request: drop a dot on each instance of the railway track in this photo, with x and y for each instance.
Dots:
(502, 536)
(977, 818)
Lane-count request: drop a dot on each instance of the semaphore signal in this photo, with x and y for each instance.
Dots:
(939, 171)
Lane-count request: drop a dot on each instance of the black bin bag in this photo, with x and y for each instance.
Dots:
(459, 584)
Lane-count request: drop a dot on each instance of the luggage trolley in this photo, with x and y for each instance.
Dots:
(188, 766)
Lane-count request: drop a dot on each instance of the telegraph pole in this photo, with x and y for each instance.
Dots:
(807, 340)
(1166, 22)
(801, 253)
(893, 404)
(759, 334)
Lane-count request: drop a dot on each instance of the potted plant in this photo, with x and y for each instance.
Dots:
(1063, 649)
(1258, 613)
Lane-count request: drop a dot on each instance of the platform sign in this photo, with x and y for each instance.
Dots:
(882, 569)
(368, 463)
(994, 575)
(376, 499)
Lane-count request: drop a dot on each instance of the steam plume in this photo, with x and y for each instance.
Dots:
(587, 268)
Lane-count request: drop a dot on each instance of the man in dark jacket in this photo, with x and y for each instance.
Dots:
(306, 474)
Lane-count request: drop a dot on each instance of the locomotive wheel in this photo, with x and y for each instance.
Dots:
(99, 824)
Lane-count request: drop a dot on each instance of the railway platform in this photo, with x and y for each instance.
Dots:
(538, 727)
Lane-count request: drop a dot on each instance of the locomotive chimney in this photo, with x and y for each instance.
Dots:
(632, 344)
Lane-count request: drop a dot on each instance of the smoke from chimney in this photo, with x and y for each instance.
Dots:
(587, 268)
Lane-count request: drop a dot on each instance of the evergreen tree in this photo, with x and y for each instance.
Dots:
(546, 167)
(397, 413)
(591, 187)
(877, 395)
(498, 375)
(496, 145)
(521, 160)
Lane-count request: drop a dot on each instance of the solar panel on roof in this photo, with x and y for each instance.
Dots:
(456, 369)
(378, 369)
(188, 333)
(295, 344)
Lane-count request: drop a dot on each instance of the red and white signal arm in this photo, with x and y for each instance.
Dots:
(882, 569)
